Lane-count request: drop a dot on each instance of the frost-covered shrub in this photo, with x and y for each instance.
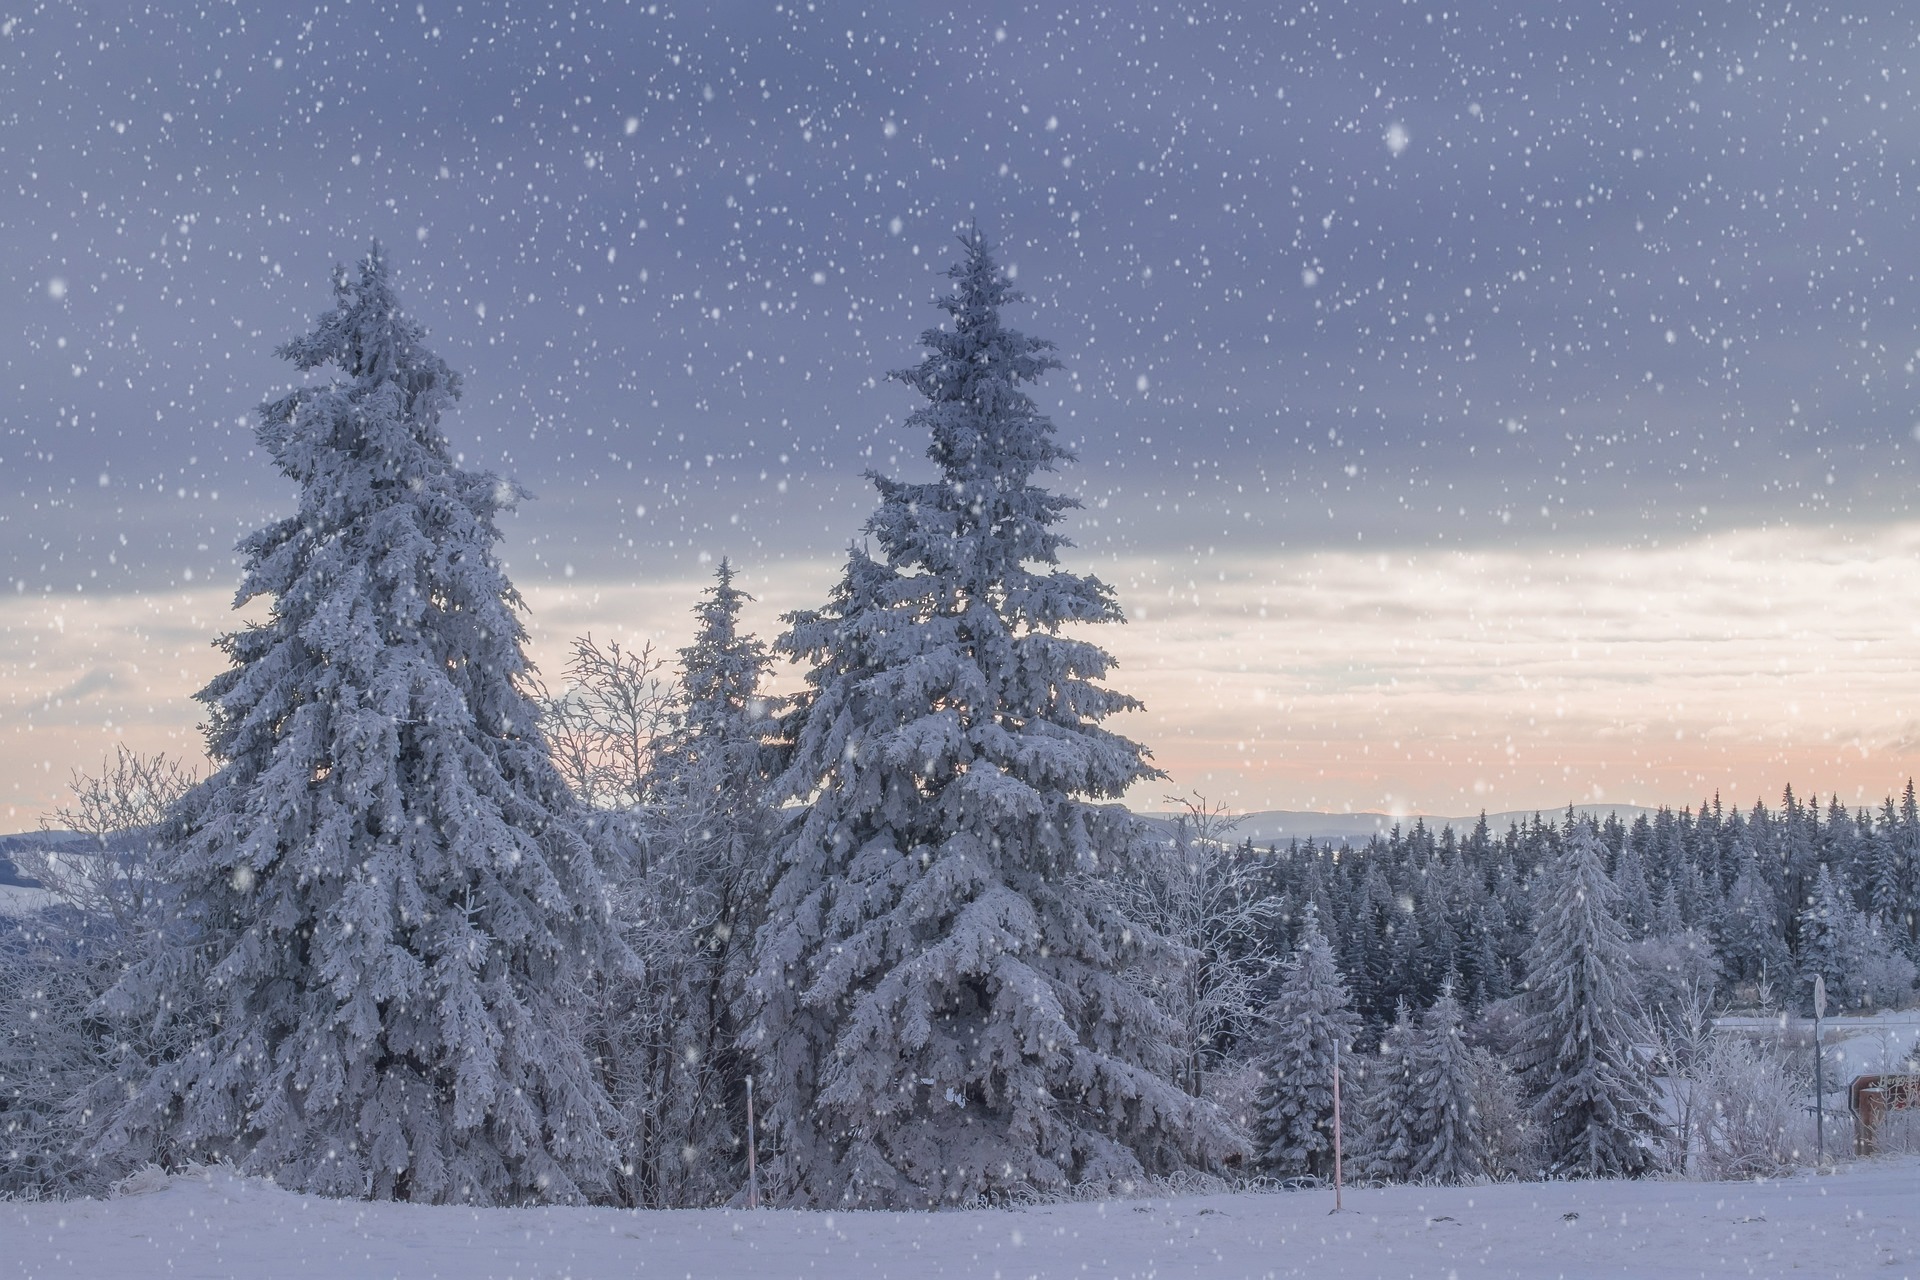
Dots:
(49, 1053)
(1883, 977)
(1201, 893)
(1666, 968)
(1752, 1119)
(57, 1053)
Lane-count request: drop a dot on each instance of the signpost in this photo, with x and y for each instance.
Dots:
(1819, 1072)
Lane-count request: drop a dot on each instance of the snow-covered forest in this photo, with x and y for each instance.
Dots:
(654, 933)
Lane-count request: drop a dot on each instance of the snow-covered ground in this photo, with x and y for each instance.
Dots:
(1861, 1221)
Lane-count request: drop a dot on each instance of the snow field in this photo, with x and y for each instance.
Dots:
(1863, 1220)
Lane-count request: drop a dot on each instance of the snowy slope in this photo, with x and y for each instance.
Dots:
(1861, 1221)
(1856, 1043)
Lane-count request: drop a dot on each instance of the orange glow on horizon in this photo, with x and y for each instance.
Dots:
(1409, 681)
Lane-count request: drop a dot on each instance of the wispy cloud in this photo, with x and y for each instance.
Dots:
(79, 672)
(1446, 680)
(1412, 679)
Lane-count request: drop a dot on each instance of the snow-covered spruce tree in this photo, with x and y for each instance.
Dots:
(696, 904)
(1826, 938)
(384, 894)
(1593, 1098)
(1505, 1133)
(1748, 930)
(1389, 1105)
(1446, 1137)
(944, 1004)
(1861, 965)
(1293, 1130)
(715, 784)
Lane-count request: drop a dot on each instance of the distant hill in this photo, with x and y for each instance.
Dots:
(1278, 826)
(10, 873)
(1269, 826)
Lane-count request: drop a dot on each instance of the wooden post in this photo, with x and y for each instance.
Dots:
(1336, 1124)
(1819, 1074)
(753, 1171)
(1869, 1105)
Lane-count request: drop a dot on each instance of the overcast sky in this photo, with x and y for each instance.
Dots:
(1412, 357)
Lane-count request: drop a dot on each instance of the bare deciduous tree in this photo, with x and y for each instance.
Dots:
(1683, 1046)
(1201, 894)
(57, 1055)
(604, 727)
(111, 875)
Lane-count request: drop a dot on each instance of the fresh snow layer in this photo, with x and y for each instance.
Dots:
(1863, 1220)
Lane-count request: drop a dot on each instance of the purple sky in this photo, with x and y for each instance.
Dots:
(1569, 285)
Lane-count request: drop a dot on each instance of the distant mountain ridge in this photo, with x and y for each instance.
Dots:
(1278, 826)
(1269, 826)
(30, 841)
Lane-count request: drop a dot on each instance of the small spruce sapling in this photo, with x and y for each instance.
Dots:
(1293, 1128)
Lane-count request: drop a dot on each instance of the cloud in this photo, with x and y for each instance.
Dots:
(87, 685)
(80, 672)
(1417, 679)
(1440, 679)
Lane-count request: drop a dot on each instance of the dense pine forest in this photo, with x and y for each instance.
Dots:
(1755, 901)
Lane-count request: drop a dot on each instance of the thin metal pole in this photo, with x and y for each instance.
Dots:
(1336, 1124)
(753, 1170)
(1819, 1092)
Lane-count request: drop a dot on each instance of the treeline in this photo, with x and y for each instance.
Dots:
(1754, 901)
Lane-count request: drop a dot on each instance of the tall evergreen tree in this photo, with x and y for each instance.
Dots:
(1826, 939)
(1666, 913)
(945, 1009)
(716, 814)
(1389, 1104)
(1881, 852)
(1749, 932)
(691, 898)
(1897, 881)
(381, 889)
(1636, 899)
(1445, 1132)
(716, 769)
(1593, 1100)
(1840, 840)
(1293, 1127)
